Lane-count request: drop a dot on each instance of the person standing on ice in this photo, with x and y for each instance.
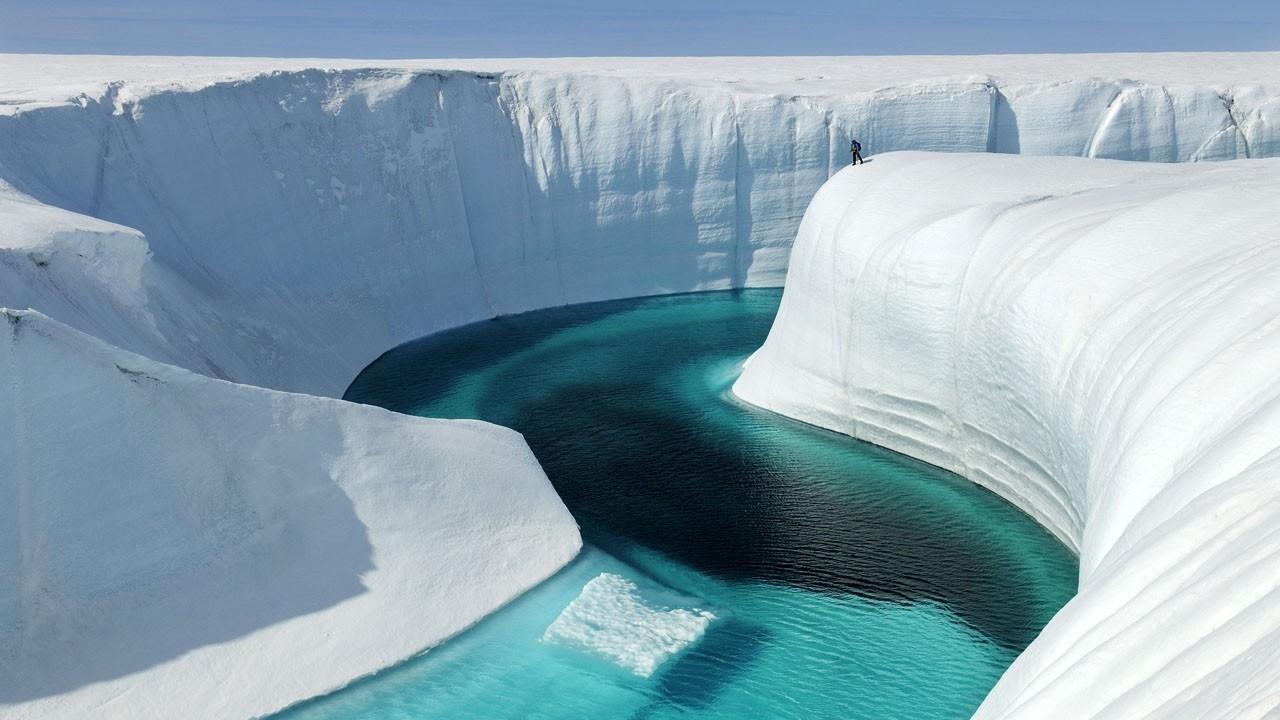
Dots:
(855, 149)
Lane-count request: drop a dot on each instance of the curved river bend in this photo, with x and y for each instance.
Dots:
(845, 581)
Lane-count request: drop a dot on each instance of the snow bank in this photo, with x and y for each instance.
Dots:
(177, 546)
(1095, 341)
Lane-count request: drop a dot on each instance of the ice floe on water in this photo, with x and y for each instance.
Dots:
(635, 628)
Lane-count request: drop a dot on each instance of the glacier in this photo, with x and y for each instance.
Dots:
(245, 228)
(1094, 341)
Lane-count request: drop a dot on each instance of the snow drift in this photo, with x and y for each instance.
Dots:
(1095, 341)
(210, 535)
(281, 223)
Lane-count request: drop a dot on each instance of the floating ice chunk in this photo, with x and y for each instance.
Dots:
(633, 628)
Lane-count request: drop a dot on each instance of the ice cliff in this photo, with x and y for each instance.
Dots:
(1095, 341)
(320, 217)
(278, 224)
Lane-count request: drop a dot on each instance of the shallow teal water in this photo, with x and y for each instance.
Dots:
(846, 581)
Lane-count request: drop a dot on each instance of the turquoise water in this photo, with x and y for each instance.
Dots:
(846, 581)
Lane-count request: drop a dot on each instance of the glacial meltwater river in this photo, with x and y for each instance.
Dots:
(845, 580)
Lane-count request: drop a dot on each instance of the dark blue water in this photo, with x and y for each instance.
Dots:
(846, 581)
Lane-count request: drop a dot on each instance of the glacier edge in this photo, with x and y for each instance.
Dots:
(1093, 341)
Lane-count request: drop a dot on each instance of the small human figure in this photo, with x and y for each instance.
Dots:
(855, 149)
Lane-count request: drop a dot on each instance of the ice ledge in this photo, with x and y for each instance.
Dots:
(1096, 341)
(174, 540)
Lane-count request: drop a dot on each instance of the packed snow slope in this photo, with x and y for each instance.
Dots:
(178, 546)
(1097, 342)
(283, 222)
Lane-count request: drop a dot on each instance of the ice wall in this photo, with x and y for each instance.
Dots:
(177, 546)
(325, 216)
(1095, 341)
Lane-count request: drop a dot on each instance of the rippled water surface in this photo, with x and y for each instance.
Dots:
(846, 581)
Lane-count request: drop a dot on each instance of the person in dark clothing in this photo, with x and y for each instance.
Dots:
(855, 149)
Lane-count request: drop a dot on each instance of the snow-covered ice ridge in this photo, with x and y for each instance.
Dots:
(174, 546)
(280, 223)
(1097, 342)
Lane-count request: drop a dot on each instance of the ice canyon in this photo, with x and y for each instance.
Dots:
(202, 241)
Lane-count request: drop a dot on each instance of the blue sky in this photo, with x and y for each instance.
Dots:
(497, 28)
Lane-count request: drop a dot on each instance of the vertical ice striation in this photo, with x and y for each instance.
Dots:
(1095, 341)
(324, 216)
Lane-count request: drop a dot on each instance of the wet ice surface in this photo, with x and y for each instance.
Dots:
(635, 628)
(845, 580)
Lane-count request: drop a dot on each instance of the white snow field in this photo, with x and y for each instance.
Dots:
(1095, 341)
(182, 546)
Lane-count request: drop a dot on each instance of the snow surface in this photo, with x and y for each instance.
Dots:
(1097, 342)
(34, 80)
(280, 223)
(172, 540)
(635, 629)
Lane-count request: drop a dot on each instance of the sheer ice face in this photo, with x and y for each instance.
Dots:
(635, 629)
(1097, 342)
(299, 222)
